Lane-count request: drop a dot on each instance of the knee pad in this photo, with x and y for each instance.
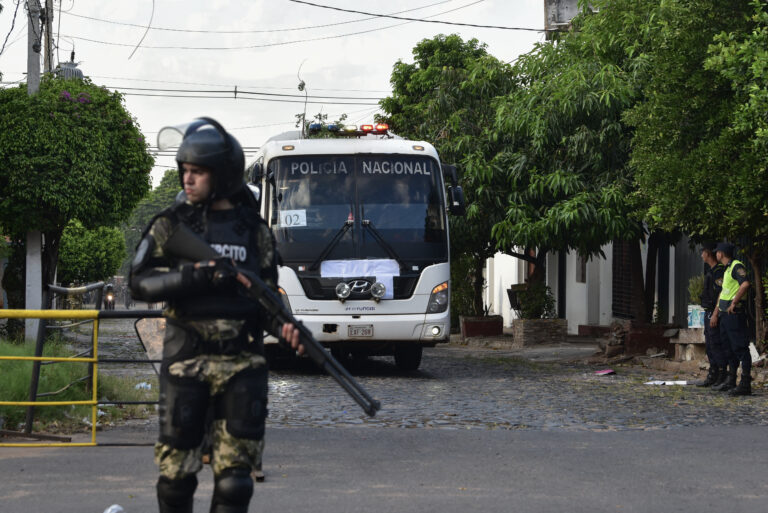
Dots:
(243, 404)
(183, 406)
(232, 491)
(176, 495)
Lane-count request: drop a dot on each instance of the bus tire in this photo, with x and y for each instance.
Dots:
(408, 357)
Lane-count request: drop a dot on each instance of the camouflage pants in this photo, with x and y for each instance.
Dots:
(227, 450)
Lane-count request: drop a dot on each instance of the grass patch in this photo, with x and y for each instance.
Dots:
(14, 386)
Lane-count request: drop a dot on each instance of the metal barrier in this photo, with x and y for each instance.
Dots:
(92, 315)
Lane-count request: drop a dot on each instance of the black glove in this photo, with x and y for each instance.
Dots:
(219, 273)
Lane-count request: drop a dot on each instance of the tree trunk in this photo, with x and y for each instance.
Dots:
(638, 304)
(755, 260)
(478, 264)
(651, 261)
(538, 270)
(13, 284)
(50, 259)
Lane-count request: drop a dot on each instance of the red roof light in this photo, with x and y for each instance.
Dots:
(366, 128)
(382, 127)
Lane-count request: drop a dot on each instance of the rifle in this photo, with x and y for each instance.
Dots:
(186, 244)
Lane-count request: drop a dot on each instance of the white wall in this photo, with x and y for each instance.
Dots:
(585, 303)
(576, 300)
(606, 285)
(501, 271)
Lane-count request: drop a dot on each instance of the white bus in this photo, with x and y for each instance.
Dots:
(361, 227)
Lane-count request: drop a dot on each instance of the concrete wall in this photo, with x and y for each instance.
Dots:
(576, 299)
(501, 271)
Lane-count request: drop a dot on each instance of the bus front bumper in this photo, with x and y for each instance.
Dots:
(331, 329)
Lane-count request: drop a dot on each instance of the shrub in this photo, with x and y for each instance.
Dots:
(536, 302)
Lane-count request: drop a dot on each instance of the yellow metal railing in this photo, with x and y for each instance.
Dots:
(93, 402)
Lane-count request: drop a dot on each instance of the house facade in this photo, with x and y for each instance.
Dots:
(597, 291)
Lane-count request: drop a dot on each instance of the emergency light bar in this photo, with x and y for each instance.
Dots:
(350, 130)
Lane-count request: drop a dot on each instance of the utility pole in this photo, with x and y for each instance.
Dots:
(34, 268)
(48, 64)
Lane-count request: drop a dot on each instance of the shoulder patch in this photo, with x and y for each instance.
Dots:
(741, 271)
(719, 282)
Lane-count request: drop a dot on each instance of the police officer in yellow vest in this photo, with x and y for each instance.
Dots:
(732, 317)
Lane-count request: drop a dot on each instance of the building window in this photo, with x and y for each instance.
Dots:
(581, 269)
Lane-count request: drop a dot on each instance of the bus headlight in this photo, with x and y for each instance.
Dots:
(438, 300)
(284, 297)
(378, 290)
(343, 290)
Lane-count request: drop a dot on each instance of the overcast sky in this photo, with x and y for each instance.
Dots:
(343, 54)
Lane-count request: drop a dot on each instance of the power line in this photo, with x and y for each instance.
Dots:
(422, 20)
(149, 25)
(279, 100)
(237, 91)
(128, 79)
(292, 29)
(269, 45)
(244, 127)
(231, 85)
(13, 24)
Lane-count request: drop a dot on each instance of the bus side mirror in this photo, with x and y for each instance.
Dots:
(449, 173)
(456, 201)
(255, 190)
(255, 172)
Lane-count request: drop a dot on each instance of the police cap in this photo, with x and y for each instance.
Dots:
(726, 248)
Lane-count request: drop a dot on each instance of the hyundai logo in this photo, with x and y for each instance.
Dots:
(359, 286)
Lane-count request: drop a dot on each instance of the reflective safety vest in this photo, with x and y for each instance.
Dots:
(730, 286)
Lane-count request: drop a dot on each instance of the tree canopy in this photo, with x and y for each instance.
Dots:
(446, 97)
(71, 151)
(87, 256)
(158, 198)
(644, 120)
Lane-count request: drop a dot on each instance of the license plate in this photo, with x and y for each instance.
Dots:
(360, 331)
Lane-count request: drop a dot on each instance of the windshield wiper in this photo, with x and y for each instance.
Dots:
(367, 223)
(332, 244)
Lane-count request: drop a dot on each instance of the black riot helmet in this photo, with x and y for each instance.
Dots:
(207, 144)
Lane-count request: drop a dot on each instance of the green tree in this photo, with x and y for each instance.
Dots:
(159, 198)
(700, 142)
(71, 151)
(89, 255)
(445, 97)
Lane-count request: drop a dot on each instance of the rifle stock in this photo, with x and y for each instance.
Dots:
(186, 244)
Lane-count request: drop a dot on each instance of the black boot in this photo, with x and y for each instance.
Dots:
(744, 388)
(722, 376)
(729, 383)
(711, 379)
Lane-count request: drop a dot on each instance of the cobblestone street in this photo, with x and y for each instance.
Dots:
(462, 388)
(459, 387)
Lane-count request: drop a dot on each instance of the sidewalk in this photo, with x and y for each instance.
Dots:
(574, 348)
(586, 349)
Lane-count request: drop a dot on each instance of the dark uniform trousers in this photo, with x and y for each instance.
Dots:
(718, 349)
(733, 332)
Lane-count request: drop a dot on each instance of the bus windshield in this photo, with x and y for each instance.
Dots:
(365, 206)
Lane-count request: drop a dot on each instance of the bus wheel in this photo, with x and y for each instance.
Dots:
(341, 355)
(408, 357)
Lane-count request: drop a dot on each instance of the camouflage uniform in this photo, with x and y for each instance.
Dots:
(207, 367)
(227, 451)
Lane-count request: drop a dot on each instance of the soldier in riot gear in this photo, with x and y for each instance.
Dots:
(213, 349)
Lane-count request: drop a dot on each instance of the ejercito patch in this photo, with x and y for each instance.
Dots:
(741, 272)
(719, 282)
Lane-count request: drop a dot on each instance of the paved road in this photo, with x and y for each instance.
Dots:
(382, 470)
(473, 430)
